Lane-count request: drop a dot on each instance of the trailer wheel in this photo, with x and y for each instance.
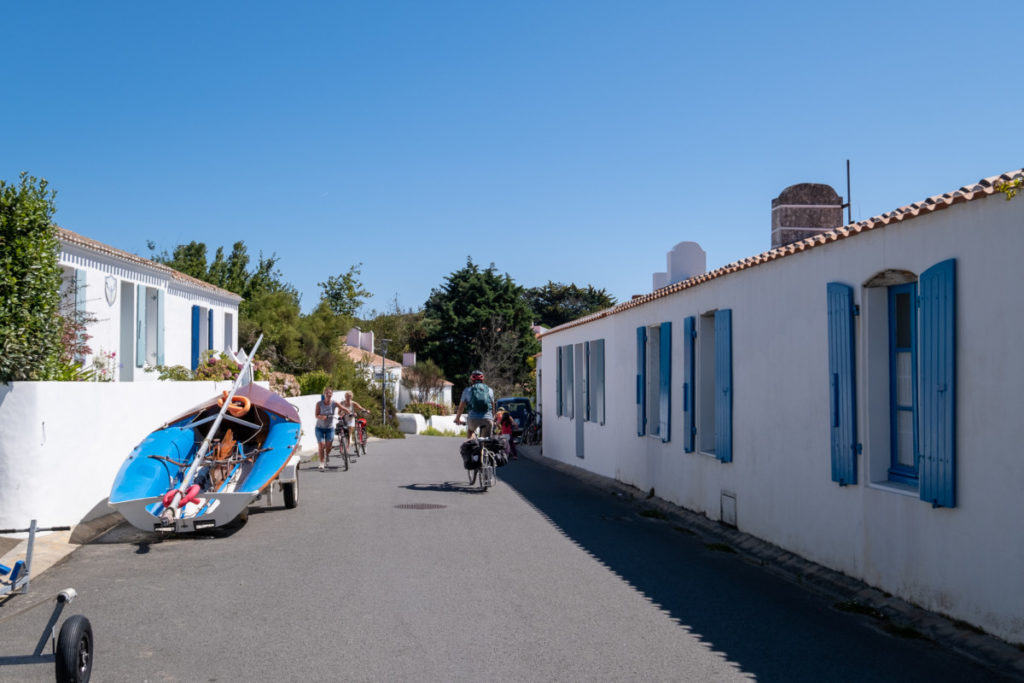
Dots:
(290, 491)
(74, 650)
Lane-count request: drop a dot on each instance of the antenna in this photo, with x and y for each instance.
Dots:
(849, 200)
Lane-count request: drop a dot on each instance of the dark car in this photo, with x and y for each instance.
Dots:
(521, 409)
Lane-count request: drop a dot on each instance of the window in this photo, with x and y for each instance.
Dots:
(229, 331)
(714, 384)
(149, 321)
(594, 359)
(654, 372)
(564, 387)
(903, 383)
(909, 343)
(202, 332)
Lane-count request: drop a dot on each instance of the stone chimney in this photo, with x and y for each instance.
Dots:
(804, 210)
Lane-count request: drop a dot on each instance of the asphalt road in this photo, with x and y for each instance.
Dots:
(397, 571)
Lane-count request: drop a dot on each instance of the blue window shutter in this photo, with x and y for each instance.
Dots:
(79, 290)
(665, 381)
(209, 330)
(641, 372)
(723, 384)
(689, 423)
(570, 393)
(937, 410)
(842, 389)
(558, 382)
(140, 325)
(585, 378)
(195, 337)
(159, 327)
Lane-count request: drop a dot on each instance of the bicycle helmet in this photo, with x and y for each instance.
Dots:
(476, 376)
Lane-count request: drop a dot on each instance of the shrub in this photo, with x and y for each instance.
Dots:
(313, 382)
(433, 431)
(427, 409)
(175, 373)
(387, 431)
(284, 384)
(30, 324)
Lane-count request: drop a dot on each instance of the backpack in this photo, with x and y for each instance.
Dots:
(479, 398)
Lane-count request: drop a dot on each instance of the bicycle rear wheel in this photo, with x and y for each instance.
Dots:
(472, 476)
(362, 441)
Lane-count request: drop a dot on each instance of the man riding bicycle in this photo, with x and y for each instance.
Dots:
(478, 402)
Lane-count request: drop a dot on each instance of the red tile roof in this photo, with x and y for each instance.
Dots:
(69, 237)
(983, 188)
(359, 355)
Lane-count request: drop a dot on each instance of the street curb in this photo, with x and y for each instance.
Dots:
(890, 614)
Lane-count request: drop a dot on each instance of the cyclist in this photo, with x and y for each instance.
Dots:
(348, 419)
(477, 402)
(325, 425)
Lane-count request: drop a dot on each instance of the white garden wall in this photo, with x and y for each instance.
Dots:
(62, 443)
(963, 561)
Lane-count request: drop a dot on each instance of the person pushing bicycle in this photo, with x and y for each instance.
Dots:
(477, 402)
(348, 419)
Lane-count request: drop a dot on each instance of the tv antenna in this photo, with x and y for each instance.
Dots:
(849, 201)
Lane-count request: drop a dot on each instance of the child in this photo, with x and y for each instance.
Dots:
(507, 424)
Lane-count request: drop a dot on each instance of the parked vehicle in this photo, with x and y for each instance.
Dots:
(521, 410)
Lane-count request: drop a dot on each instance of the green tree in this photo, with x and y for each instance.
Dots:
(474, 315)
(555, 303)
(404, 328)
(30, 277)
(344, 293)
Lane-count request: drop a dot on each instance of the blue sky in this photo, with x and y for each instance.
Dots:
(560, 140)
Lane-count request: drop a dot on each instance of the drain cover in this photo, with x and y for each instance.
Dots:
(420, 506)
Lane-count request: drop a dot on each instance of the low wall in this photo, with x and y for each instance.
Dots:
(62, 443)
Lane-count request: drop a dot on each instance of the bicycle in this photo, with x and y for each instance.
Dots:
(358, 437)
(481, 457)
(532, 432)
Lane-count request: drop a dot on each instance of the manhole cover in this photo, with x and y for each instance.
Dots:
(420, 506)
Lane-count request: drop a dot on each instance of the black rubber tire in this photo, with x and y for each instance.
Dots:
(290, 491)
(472, 476)
(344, 457)
(362, 442)
(74, 650)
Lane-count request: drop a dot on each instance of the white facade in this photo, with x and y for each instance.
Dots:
(963, 558)
(146, 314)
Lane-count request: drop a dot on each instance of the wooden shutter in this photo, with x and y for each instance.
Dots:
(195, 337)
(723, 384)
(689, 423)
(140, 325)
(160, 327)
(665, 381)
(937, 410)
(842, 386)
(641, 374)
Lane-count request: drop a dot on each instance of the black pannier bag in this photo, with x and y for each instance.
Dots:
(496, 445)
(470, 452)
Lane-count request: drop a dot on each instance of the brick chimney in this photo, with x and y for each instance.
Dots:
(803, 210)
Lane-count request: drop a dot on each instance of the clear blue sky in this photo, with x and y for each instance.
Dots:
(573, 141)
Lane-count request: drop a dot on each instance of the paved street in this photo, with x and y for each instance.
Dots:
(397, 571)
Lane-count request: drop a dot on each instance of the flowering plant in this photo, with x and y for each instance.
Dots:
(105, 366)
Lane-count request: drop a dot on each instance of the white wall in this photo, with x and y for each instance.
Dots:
(964, 561)
(62, 443)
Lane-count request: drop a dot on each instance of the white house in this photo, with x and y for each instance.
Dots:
(145, 313)
(851, 396)
(359, 348)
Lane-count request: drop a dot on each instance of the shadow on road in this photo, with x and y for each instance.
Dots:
(766, 625)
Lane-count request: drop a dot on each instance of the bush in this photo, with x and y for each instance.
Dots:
(30, 324)
(314, 382)
(284, 384)
(433, 431)
(387, 431)
(175, 373)
(427, 409)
